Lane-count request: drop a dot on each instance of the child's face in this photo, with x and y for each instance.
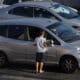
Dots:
(43, 33)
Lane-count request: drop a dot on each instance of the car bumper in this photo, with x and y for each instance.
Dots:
(78, 59)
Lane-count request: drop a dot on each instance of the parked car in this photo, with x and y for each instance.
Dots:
(6, 3)
(72, 3)
(10, 2)
(42, 9)
(17, 38)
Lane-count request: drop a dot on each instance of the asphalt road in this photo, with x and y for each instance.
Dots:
(27, 72)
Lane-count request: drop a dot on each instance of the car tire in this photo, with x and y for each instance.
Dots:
(3, 60)
(68, 64)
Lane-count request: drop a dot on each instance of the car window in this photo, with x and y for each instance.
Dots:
(3, 30)
(50, 37)
(34, 32)
(10, 2)
(65, 32)
(16, 32)
(22, 11)
(39, 12)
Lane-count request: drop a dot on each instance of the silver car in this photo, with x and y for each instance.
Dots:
(17, 38)
(42, 9)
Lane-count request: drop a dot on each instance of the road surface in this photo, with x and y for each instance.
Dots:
(27, 72)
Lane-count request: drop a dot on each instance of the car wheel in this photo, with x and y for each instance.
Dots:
(3, 60)
(68, 64)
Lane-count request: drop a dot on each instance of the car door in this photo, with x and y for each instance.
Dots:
(53, 49)
(32, 33)
(31, 49)
(16, 42)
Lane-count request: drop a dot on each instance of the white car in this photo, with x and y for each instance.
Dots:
(17, 42)
(42, 9)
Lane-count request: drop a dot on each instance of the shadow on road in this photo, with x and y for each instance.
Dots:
(31, 67)
(28, 70)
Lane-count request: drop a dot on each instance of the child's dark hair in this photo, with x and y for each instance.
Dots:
(41, 32)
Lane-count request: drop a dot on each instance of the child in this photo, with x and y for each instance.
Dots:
(41, 49)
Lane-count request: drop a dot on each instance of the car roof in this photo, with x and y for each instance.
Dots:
(38, 22)
(38, 3)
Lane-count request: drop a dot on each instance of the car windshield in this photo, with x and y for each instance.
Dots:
(64, 11)
(65, 32)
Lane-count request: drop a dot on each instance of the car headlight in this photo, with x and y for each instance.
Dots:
(78, 49)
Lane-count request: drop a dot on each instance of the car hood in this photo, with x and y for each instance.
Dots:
(75, 44)
(75, 21)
